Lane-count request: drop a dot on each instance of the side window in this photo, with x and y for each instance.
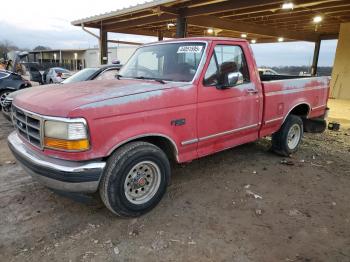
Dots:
(211, 76)
(107, 75)
(16, 77)
(226, 59)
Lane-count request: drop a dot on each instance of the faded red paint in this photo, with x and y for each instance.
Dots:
(118, 111)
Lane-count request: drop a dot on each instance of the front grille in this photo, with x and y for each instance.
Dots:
(27, 125)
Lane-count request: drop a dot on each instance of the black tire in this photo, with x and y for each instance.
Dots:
(120, 163)
(280, 138)
(50, 82)
(3, 95)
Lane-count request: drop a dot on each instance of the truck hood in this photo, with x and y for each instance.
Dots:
(60, 100)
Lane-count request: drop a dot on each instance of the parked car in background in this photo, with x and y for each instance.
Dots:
(177, 100)
(267, 71)
(10, 82)
(93, 73)
(56, 75)
(302, 73)
(31, 72)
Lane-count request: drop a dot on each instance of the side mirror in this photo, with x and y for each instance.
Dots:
(231, 79)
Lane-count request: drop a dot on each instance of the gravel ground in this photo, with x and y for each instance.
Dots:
(244, 204)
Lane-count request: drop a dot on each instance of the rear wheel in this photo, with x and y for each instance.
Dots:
(135, 179)
(286, 141)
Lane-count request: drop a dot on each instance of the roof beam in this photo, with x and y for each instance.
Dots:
(142, 31)
(329, 36)
(224, 6)
(139, 22)
(123, 42)
(164, 9)
(229, 25)
(251, 13)
(268, 5)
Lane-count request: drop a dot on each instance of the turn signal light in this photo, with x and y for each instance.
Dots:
(66, 145)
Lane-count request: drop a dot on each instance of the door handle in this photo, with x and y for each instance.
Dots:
(252, 91)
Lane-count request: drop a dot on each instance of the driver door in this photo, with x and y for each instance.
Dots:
(35, 75)
(227, 116)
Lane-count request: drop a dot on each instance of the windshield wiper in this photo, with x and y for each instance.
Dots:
(151, 78)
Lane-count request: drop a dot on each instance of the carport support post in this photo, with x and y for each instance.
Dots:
(160, 35)
(181, 26)
(103, 47)
(315, 59)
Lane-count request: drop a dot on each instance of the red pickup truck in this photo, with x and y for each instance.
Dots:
(174, 100)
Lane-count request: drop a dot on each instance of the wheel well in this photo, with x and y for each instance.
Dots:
(6, 89)
(163, 143)
(167, 145)
(301, 110)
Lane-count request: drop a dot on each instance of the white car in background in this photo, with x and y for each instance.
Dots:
(56, 75)
(267, 71)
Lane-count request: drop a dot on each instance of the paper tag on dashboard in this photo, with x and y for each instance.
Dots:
(194, 49)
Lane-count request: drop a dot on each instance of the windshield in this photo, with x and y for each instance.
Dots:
(82, 75)
(170, 61)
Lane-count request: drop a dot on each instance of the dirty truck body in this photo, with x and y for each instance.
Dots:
(173, 101)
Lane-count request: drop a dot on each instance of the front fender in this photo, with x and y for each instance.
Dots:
(11, 88)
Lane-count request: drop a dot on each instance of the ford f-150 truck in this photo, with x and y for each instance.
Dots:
(175, 100)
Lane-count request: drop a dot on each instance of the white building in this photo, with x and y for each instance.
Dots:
(75, 59)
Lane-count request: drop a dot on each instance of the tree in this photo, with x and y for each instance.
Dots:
(41, 48)
(5, 47)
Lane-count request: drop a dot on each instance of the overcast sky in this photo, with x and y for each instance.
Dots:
(48, 23)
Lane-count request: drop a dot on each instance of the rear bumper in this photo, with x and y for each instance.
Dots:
(55, 173)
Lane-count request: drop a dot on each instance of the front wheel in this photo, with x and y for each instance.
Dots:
(3, 95)
(286, 141)
(135, 179)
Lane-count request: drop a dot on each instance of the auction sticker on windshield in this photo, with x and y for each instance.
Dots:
(190, 49)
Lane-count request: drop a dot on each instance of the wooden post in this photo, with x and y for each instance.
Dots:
(315, 58)
(181, 26)
(160, 35)
(103, 47)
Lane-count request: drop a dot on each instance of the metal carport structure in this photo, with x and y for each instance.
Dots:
(260, 21)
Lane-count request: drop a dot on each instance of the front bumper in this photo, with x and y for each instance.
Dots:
(6, 114)
(71, 176)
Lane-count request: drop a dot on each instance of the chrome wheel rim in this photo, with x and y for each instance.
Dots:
(3, 97)
(142, 182)
(293, 136)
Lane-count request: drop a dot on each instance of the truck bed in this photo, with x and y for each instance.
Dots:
(282, 96)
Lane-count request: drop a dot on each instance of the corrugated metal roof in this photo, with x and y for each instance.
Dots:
(119, 12)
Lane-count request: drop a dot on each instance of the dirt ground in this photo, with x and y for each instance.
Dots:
(300, 210)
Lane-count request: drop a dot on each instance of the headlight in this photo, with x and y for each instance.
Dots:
(68, 136)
